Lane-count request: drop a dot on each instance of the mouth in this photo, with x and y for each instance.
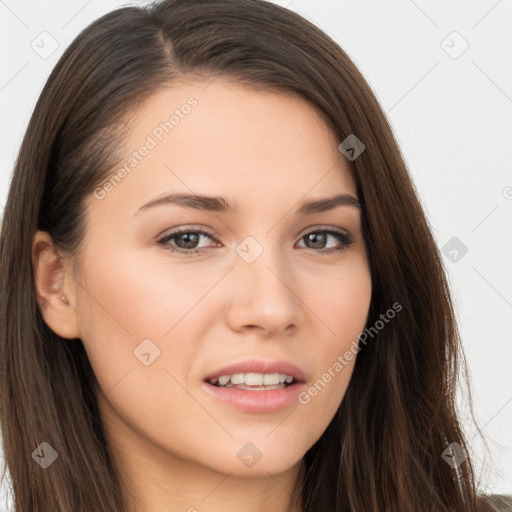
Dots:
(253, 381)
(256, 386)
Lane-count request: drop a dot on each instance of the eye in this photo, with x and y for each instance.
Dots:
(185, 240)
(320, 236)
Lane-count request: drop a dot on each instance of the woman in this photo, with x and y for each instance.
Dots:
(303, 358)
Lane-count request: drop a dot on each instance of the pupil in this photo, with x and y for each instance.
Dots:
(192, 235)
(314, 236)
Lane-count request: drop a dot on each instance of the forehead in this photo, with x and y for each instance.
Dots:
(223, 139)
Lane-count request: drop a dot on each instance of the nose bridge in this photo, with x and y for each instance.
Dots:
(266, 284)
(258, 256)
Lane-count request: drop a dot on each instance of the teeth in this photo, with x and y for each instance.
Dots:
(254, 379)
(224, 380)
(270, 378)
(251, 379)
(238, 378)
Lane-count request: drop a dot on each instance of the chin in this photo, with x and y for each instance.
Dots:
(245, 458)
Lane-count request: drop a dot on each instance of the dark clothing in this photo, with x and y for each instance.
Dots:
(495, 503)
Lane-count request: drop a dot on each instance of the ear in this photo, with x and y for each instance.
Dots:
(55, 287)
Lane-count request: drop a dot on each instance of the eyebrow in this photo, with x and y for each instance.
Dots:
(222, 205)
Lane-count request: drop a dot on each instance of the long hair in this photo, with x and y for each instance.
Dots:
(383, 450)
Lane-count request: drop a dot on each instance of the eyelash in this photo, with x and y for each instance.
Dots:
(344, 237)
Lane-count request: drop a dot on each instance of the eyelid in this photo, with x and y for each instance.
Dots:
(196, 228)
(325, 228)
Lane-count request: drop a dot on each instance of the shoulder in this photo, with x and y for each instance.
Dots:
(494, 503)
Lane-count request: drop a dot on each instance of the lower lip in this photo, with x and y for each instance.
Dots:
(264, 401)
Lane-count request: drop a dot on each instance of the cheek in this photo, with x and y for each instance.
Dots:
(341, 301)
(138, 298)
(125, 313)
(134, 311)
(117, 311)
(342, 306)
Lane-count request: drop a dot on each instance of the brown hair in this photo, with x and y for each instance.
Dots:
(383, 449)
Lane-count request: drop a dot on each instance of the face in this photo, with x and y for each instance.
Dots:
(268, 283)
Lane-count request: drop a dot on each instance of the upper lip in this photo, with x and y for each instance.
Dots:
(260, 366)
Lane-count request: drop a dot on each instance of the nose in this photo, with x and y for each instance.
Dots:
(264, 295)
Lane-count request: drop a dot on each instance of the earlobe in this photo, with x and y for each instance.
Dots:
(54, 288)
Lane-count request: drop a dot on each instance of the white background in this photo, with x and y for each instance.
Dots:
(452, 117)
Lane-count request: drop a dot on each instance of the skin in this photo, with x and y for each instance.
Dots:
(267, 151)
